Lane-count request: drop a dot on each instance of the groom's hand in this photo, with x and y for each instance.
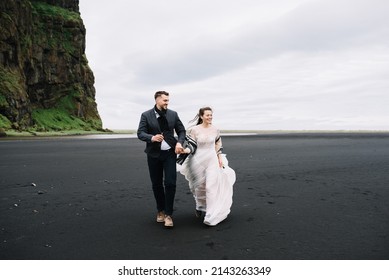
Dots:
(179, 149)
(157, 138)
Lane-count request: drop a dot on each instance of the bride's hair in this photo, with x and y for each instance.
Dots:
(197, 118)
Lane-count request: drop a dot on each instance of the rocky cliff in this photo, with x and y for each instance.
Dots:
(45, 81)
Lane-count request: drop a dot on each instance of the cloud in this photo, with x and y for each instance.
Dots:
(303, 64)
(312, 27)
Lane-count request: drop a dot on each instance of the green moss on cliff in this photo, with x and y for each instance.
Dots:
(57, 119)
(59, 38)
(10, 81)
(3, 101)
(4, 122)
(11, 93)
(43, 8)
(62, 117)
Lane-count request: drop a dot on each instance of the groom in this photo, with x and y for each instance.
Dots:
(156, 128)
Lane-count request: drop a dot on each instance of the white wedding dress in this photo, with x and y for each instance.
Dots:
(211, 185)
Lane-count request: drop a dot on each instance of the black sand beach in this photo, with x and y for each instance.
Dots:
(297, 196)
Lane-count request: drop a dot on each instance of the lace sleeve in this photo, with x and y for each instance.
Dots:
(218, 143)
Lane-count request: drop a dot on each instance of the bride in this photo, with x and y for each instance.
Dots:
(206, 169)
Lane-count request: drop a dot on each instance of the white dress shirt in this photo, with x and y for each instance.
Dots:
(164, 145)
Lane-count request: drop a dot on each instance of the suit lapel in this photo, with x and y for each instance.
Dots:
(153, 119)
(169, 118)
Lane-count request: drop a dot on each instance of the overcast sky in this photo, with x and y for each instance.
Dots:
(263, 65)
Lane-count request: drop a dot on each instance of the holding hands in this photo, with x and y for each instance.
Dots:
(179, 149)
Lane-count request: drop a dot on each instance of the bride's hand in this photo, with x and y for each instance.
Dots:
(221, 165)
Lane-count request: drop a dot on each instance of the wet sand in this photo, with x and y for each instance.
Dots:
(297, 196)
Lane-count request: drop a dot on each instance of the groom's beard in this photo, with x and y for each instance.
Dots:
(163, 108)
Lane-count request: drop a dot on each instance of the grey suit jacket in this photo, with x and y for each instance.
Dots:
(149, 126)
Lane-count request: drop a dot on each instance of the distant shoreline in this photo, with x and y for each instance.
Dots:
(119, 134)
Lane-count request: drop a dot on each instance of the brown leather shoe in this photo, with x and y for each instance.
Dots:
(160, 217)
(168, 221)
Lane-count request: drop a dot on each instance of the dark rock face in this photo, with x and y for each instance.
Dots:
(45, 80)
